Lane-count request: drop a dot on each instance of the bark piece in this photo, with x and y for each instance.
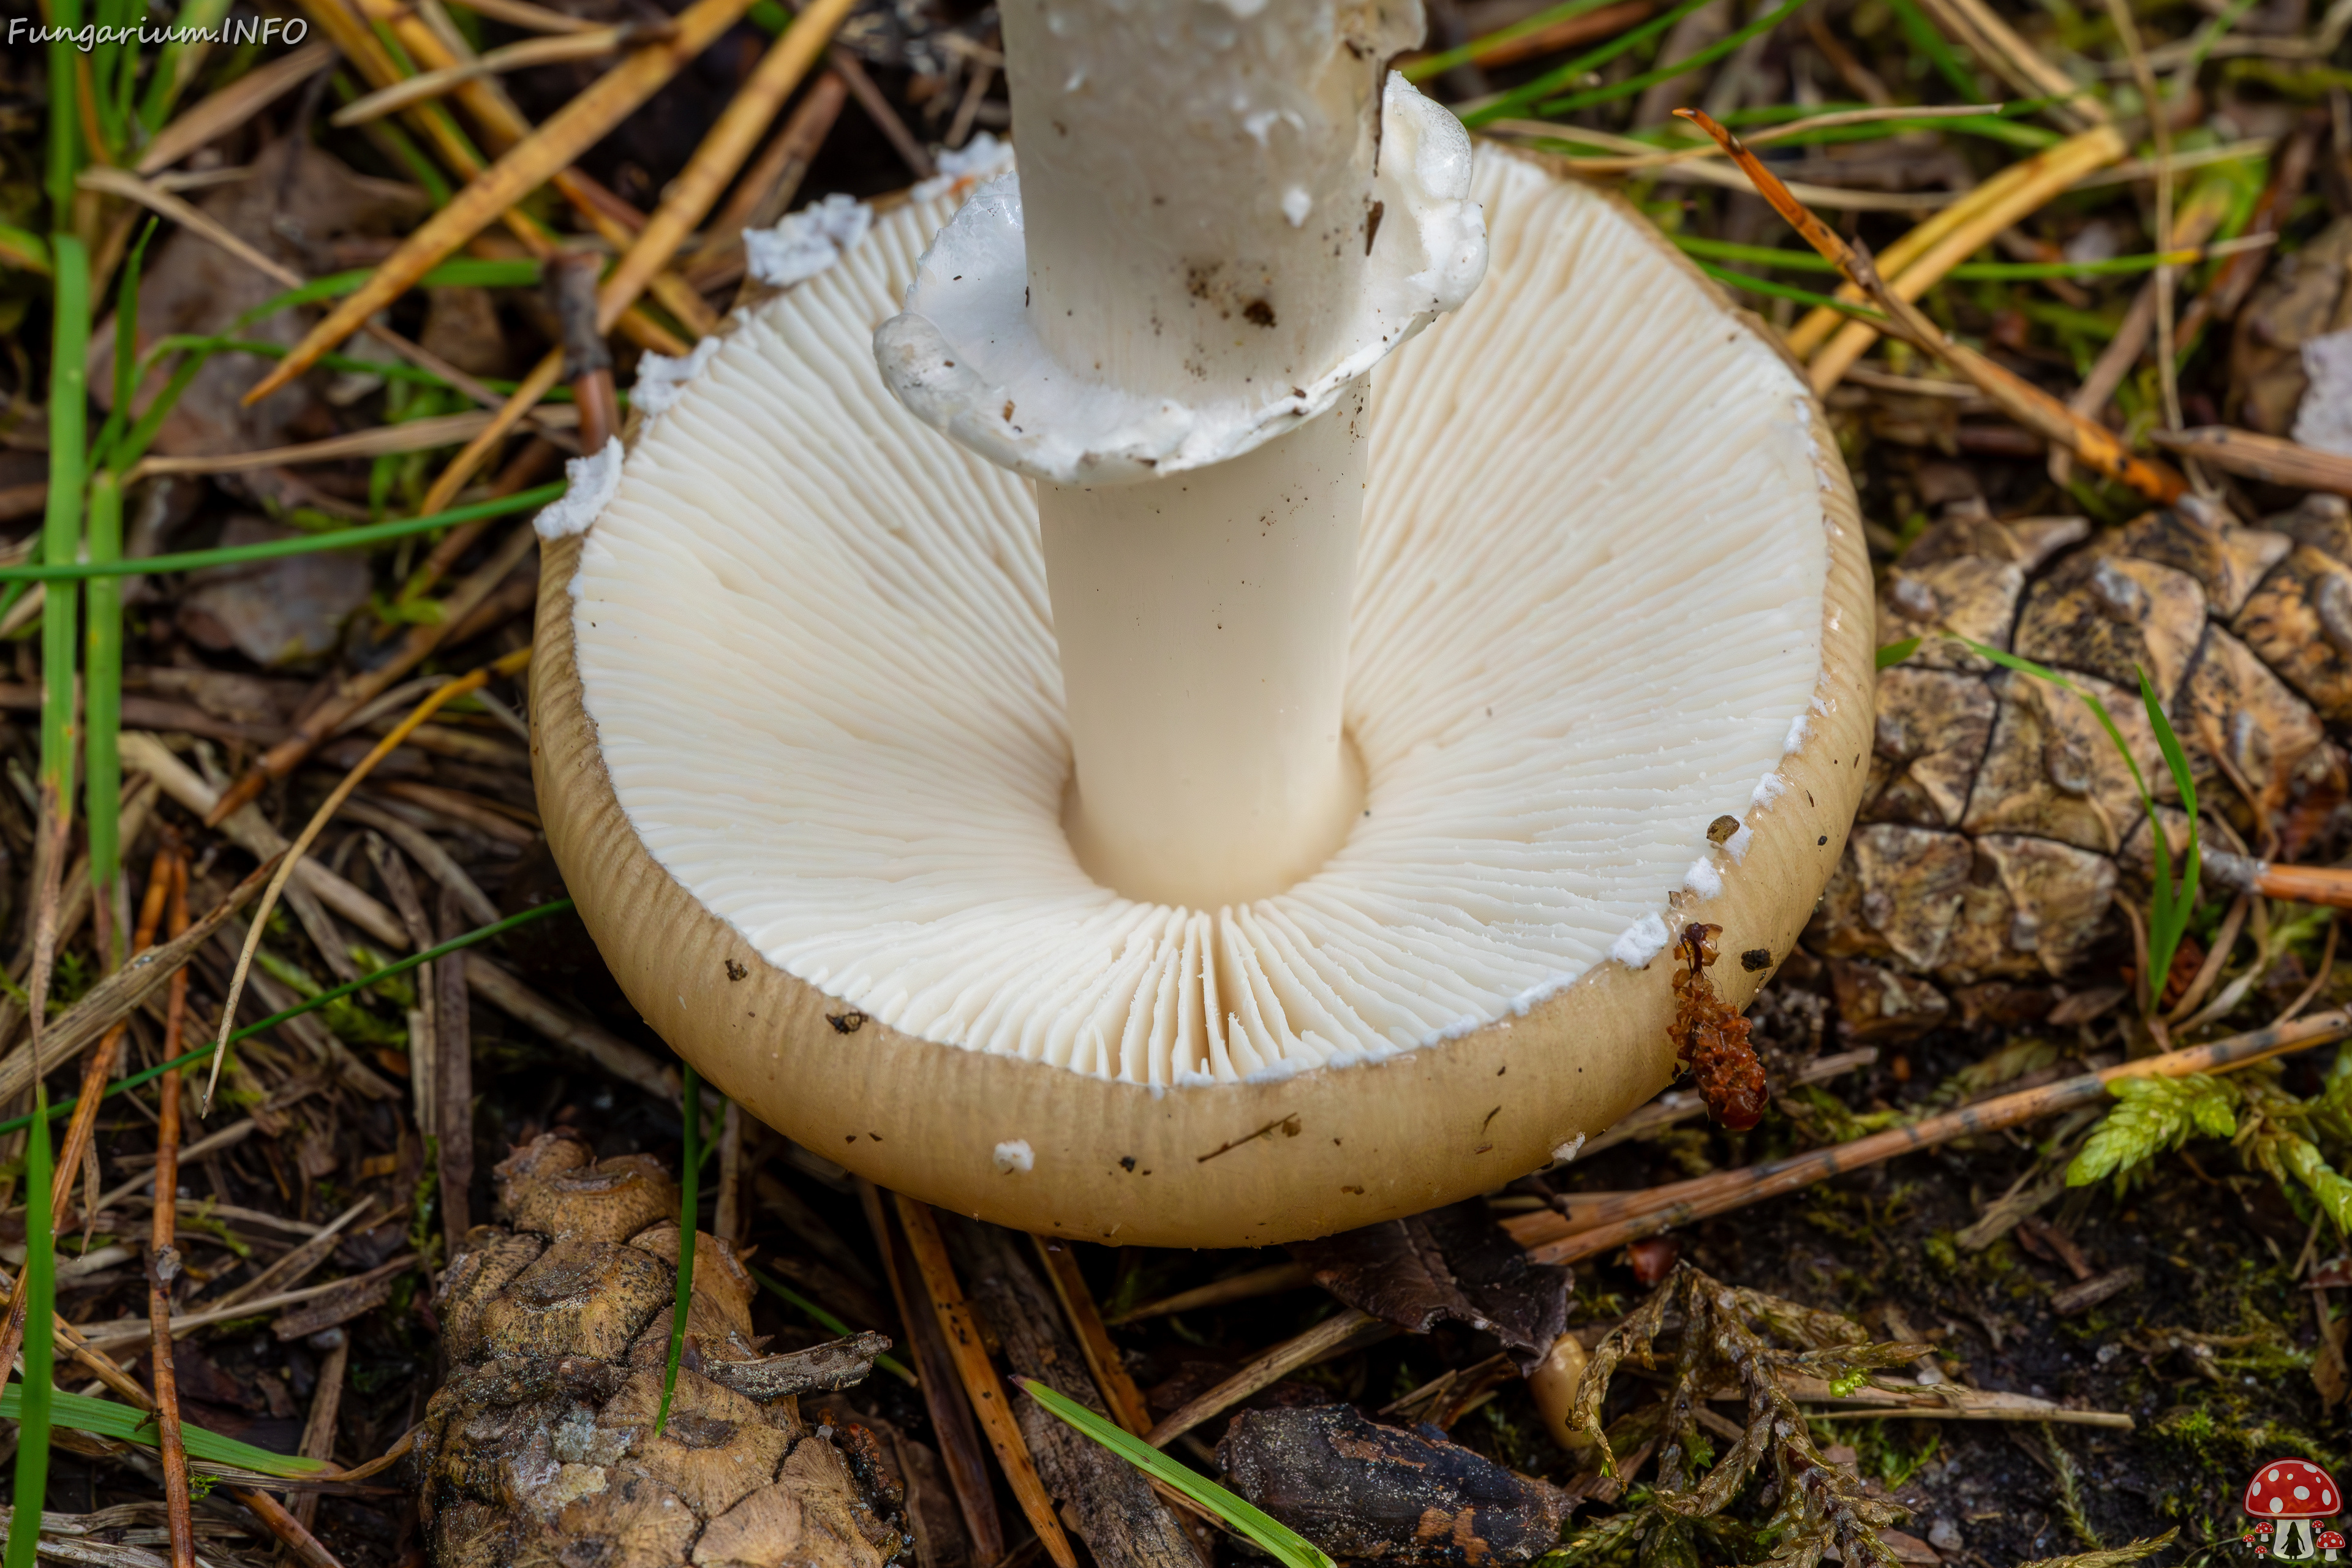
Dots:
(1109, 1502)
(835, 1365)
(1452, 1262)
(2099, 1288)
(338, 1305)
(1361, 1490)
(2034, 905)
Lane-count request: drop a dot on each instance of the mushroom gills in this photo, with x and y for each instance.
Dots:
(1554, 694)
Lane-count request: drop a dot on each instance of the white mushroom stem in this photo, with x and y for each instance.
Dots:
(1197, 191)
(1224, 217)
(1204, 628)
(1197, 185)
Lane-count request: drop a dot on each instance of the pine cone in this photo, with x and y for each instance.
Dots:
(1999, 823)
(539, 1450)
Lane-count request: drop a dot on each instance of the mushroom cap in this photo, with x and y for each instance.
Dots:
(798, 750)
(2293, 1489)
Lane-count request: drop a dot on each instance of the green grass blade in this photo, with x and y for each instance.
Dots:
(36, 1394)
(126, 347)
(1791, 260)
(1429, 65)
(1669, 71)
(105, 1418)
(2169, 909)
(1771, 290)
(690, 1182)
(1929, 41)
(102, 697)
(177, 65)
(125, 88)
(360, 538)
(65, 124)
(1895, 653)
(1253, 1524)
(103, 59)
(24, 250)
(397, 144)
(2173, 909)
(1516, 100)
(335, 994)
(465, 271)
(828, 1321)
(61, 525)
(2098, 708)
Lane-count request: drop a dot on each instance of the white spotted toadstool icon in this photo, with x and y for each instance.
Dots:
(2293, 1494)
(1085, 712)
(2331, 1542)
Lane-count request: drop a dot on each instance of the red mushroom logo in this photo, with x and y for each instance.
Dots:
(2296, 1496)
(2331, 1542)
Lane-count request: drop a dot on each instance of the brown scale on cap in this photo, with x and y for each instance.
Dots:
(541, 1448)
(1713, 1038)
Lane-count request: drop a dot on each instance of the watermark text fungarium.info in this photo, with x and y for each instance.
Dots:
(230, 30)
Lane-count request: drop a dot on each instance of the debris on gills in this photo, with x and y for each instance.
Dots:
(1712, 1037)
(543, 1444)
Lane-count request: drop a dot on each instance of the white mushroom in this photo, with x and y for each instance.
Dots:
(806, 757)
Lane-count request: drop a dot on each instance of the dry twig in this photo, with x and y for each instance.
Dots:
(2094, 444)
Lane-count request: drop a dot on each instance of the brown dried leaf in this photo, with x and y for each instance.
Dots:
(1454, 1262)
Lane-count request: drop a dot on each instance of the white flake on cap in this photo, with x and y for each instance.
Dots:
(590, 481)
(982, 156)
(663, 378)
(807, 242)
(1641, 941)
(1703, 879)
(1015, 1154)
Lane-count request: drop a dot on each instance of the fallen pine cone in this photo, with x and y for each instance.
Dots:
(539, 1450)
(1999, 822)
